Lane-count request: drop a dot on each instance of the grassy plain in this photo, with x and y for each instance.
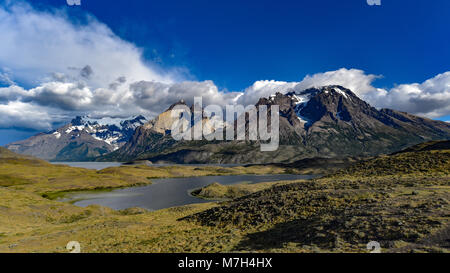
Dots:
(401, 201)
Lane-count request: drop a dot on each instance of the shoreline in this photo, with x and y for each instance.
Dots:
(149, 173)
(250, 187)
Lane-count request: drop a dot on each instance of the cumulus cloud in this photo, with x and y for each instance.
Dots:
(76, 68)
(11, 93)
(66, 96)
(353, 79)
(36, 44)
(430, 98)
(157, 96)
(262, 89)
(18, 114)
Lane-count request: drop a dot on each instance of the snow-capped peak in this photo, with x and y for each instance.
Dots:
(109, 121)
(113, 131)
(336, 89)
(302, 98)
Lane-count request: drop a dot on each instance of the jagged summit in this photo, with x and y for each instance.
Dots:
(83, 138)
(77, 121)
(314, 104)
(108, 121)
(180, 102)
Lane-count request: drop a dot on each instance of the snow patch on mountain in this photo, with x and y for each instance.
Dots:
(300, 101)
(340, 91)
(113, 131)
(74, 128)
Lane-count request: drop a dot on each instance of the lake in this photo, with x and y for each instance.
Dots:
(168, 192)
(104, 165)
(90, 165)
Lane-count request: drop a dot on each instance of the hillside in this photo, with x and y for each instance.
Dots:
(5, 153)
(375, 200)
(428, 146)
(11, 163)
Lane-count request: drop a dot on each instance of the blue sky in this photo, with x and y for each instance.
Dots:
(235, 43)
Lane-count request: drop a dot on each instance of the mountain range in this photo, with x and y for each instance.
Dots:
(327, 122)
(82, 139)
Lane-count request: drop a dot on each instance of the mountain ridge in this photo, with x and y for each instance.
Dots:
(329, 121)
(82, 139)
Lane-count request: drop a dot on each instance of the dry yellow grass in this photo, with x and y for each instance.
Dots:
(405, 205)
(40, 177)
(217, 191)
(31, 223)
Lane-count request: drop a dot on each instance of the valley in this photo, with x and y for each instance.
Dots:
(399, 200)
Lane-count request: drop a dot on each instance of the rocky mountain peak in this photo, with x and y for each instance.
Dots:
(180, 102)
(82, 138)
(331, 103)
(77, 121)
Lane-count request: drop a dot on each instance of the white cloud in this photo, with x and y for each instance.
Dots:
(262, 89)
(353, 79)
(18, 114)
(430, 99)
(156, 97)
(356, 80)
(5, 77)
(67, 96)
(36, 44)
(11, 93)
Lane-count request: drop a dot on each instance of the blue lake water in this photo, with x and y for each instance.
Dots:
(169, 192)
